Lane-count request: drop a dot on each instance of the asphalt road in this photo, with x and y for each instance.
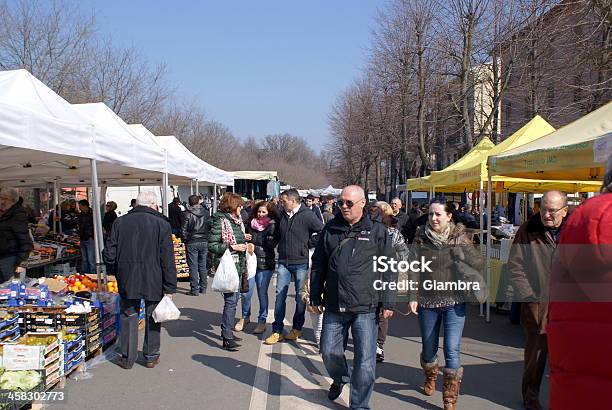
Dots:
(195, 373)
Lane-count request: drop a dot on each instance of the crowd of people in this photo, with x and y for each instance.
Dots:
(325, 250)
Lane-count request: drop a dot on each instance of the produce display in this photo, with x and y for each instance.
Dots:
(23, 380)
(180, 258)
(79, 282)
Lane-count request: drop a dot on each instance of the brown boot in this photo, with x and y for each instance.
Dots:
(452, 381)
(431, 375)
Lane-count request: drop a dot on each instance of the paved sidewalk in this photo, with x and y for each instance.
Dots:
(195, 373)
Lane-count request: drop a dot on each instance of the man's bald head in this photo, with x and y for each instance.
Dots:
(353, 192)
(352, 201)
(553, 209)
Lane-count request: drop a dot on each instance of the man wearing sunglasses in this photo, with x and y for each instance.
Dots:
(342, 284)
(529, 269)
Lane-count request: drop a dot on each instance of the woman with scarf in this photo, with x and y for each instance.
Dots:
(262, 228)
(445, 243)
(227, 232)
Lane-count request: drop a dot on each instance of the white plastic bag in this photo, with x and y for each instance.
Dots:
(251, 262)
(166, 310)
(310, 253)
(226, 277)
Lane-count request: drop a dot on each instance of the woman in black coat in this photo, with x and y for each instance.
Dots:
(109, 217)
(262, 228)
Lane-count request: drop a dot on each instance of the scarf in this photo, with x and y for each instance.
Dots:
(260, 224)
(439, 239)
(227, 232)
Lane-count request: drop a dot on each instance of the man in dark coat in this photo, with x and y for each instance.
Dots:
(196, 224)
(175, 214)
(529, 269)
(15, 240)
(86, 237)
(344, 282)
(403, 221)
(140, 247)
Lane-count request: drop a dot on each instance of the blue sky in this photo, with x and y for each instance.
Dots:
(259, 67)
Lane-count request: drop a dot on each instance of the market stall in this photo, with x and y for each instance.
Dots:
(470, 173)
(256, 184)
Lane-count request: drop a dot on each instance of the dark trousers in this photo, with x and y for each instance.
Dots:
(536, 354)
(228, 318)
(7, 268)
(196, 259)
(130, 308)
(383, 329)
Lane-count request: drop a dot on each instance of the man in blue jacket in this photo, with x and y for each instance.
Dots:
(299, 228)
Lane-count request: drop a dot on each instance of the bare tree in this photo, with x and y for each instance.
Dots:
(50, 42)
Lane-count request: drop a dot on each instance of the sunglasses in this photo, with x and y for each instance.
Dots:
(349, 204)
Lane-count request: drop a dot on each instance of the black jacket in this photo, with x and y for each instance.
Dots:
(107, 221)
(196, 224)
(175, 214)
(86, 229)
(297, 235)
(343, 280)
(140, 247)
(317, 212)
(14, 235)
(265, 242)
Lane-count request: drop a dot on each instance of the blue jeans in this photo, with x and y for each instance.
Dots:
(453, 319)
(334, 338)
(245, 299)
(286, 275)
(196, 259)
(262, 279)
(229, 315)
(88, 256)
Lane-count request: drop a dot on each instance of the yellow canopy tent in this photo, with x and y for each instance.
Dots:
(418, 184)
(427, 183)
(475, 156)
(577, 151)
(467, 173)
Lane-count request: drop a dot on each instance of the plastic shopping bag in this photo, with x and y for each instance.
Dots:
(166, 310)
(251, 262)
(226, 277)
(310, 253)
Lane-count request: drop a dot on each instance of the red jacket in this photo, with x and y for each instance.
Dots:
(579, 331)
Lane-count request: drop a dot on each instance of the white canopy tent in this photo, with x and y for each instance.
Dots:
(179, 161)
(42, 134)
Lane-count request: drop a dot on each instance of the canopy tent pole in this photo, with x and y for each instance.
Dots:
(481, 225)
(215, 198)
(56, 207)
(489, 207)
(165, 185)
(191, 187)
(97, 218)
(197, 187)
(59, 207)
